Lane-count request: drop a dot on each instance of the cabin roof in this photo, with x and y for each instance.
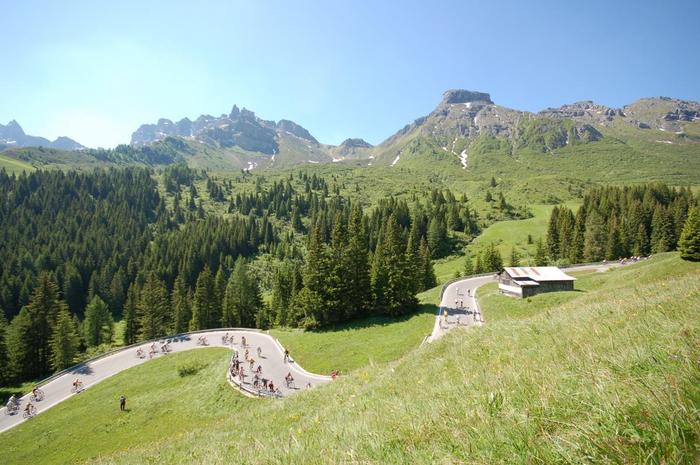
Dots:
(521, 274)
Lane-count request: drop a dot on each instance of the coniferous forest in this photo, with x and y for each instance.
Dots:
(81, 250)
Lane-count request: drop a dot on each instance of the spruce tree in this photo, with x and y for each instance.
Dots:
(356, 264)
(662, 234)
(153, 308)
(540, 253)
(428, 278)
(20, 353)
(413, 258)
(64, 341)
(202, 302)
(514, 257)
(98, 324)
(242, 299)
(315, 272)
(219, 290)
(553, 235)
(43, 309)
(380, 276)
(689, 243)
(594, 239)
(131, 326)
(468, 265)
(478, 264)
(400, 297)
(181, 305)
(641, 241)
(4, 378)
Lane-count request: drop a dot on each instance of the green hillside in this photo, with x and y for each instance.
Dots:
(607, 377)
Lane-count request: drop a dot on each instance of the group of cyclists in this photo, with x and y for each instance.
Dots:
(14, 404)
(37, 395)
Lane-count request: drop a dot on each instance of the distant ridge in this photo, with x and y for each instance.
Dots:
(12, 135)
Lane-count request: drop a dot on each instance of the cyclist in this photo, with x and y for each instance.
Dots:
(35, 393)
(259, 352)
(29, 409)
(286, 355)
(289, 379)
(77, 384)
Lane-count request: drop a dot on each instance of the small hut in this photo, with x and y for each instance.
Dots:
(525, 281)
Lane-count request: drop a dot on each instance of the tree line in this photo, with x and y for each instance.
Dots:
(81, 250)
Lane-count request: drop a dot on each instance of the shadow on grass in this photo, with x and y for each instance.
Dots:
(377, 320)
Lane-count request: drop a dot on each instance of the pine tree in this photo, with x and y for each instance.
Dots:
(478, 265)
(131, 327)
(468, 265)
(98, 324)
(577, 242)
(514, 257)
(315, 272)
(64, 341)
(540, 253)
(662, 234)
(689, 243)
(181, 305)
(428, 278)
(417, 266)
(594, 239)
(399, 296)
(4, 375)
(492, 260)
(356, 265)
(437, 236)
(43, 309)
(20, 353)
(202, 302)
(553, 235)
(242, 299)
(153, 308)
(641, 241)
(613, 247)
(219, 290)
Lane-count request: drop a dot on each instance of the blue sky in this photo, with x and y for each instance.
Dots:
(94, 71)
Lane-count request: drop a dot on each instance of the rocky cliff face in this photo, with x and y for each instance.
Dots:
(240, 128)
(12, 135)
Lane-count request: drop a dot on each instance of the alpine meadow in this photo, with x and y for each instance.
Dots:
(508, 278)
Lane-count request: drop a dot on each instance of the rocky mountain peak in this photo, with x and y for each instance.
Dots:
(355, 143)
(453, 96)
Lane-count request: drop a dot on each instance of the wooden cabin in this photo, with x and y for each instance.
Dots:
(525, 281)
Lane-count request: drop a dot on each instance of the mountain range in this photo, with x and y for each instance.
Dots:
(463, 126)
(12, 135)
(462, 115)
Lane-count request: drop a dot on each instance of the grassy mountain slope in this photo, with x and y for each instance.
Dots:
(12, 165)
(607, 377)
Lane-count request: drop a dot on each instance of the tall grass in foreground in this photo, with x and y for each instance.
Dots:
(610, 378)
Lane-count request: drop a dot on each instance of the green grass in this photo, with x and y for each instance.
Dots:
(496, 307)
(508, 234)
(357, 344)
(610, 377)
(12, 165)
(161, 405)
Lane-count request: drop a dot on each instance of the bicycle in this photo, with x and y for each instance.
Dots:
(28, 413)
(37, 395)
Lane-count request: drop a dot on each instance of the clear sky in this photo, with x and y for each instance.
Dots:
(96, 70)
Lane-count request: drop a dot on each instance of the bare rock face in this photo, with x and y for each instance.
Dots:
(240, 128)
(584, 111)
(293, 128)
(464, 96)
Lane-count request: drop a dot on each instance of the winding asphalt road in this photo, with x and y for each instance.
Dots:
(459, 301)
(92, 372)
